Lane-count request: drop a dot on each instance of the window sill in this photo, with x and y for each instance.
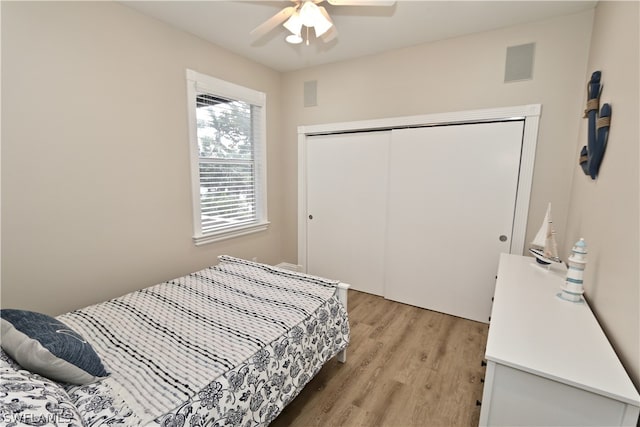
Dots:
(230, 234)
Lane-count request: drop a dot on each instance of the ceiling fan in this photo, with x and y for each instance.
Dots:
(306, 14)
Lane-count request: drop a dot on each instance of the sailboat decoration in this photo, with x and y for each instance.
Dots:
(544, 247)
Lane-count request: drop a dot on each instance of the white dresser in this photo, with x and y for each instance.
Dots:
(548, 361)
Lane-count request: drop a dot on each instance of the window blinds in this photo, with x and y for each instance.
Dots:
(228, 133)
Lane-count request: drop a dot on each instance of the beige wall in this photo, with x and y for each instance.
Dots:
(606, 211)
(96, 195)
(458, 74)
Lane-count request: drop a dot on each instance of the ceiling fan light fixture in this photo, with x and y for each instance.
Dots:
(322, 25)
(294, 24)
(294, 39)
(309, 13)
(311, 16)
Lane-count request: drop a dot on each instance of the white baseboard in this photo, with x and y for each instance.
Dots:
(289, 266)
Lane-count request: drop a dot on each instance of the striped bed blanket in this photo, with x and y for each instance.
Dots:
(233, 343)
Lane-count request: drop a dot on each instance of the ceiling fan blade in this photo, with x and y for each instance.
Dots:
(273, 22)
(361, 2)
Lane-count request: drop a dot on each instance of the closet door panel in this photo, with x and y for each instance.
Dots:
(452, 195)
(347, 178)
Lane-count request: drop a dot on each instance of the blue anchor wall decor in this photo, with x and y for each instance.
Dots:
(592, 154)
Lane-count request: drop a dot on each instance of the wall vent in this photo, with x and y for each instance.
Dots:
(311, 93)
(519, 63)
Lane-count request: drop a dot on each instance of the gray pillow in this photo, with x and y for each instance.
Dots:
(48, 347)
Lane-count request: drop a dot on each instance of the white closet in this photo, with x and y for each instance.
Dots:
(347, 203)
(417, 213)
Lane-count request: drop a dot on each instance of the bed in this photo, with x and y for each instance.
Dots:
(230, 345)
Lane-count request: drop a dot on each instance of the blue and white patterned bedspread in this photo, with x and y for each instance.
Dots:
(228, 345)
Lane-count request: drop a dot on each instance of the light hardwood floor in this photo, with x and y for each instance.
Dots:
(405, 366)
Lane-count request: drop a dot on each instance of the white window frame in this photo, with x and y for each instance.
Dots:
(200, 82)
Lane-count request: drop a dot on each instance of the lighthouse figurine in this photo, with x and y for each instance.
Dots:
(573, 289)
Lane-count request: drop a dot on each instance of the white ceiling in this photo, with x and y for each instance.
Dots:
(362, 30)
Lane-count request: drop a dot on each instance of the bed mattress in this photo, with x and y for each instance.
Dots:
(231, 345)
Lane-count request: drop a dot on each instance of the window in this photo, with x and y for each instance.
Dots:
(228, 158)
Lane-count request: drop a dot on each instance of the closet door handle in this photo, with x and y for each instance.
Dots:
(503, 238)
(310, 216)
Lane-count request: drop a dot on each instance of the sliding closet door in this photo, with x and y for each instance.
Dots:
(346, 208)
(452, 195)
